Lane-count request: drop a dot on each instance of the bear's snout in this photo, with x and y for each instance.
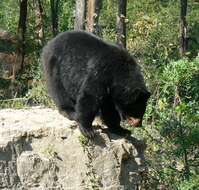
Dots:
(135, 122)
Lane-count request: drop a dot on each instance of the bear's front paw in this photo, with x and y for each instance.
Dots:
(87, 132)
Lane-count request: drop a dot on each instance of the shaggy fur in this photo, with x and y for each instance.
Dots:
(87, 76)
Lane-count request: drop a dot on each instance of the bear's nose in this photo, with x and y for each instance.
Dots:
(135, 122)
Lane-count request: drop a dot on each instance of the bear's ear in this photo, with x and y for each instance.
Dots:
(141, 94)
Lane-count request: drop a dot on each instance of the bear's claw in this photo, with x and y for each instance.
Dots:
(87, 132)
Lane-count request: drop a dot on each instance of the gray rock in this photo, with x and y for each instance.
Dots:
(42, 150)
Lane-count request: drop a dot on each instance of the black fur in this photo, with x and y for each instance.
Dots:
(86, 76)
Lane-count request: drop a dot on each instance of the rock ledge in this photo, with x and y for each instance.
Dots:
(41, 150)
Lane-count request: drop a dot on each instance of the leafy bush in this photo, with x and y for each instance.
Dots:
(192, 184)
(152, 31)
(172, 127)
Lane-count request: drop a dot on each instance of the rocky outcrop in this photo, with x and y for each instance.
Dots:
(42, 150)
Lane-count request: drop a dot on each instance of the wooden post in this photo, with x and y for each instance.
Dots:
(121, 24)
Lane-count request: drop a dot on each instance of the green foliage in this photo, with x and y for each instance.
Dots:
(84, 141)
(38, 95)
(192, 184)
(153, 29)
(177, 72)
(193, 26)
(108, 25)
(3, 85)
(37, 92)
(172, 130)
(67, 15)
(9, 11)
(16, 103)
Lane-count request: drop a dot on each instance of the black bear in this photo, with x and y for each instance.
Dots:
(87, 76)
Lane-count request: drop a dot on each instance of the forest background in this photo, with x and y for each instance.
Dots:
(163, 35)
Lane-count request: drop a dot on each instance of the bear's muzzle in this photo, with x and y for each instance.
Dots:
(135, 122)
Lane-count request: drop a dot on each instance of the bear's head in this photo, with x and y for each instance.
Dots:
(132, 105)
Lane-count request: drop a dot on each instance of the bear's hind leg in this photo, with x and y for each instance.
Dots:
(86, 109)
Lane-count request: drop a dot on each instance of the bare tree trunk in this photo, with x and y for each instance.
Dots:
(21, 38)
(184, 39)
(54, 4)
(121, 24)
(80, 15)
(40, 24)
(39, 13)
(94, 8)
